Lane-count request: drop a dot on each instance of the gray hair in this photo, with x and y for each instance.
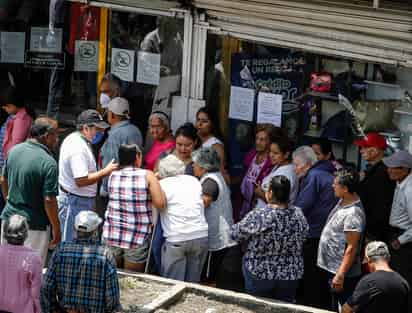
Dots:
(207, 158)
(161, 116)
(171, 166)
(16, 229)
(306, 155)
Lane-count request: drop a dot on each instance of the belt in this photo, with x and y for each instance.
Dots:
(73, 194)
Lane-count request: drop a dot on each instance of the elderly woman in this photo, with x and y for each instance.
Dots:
(316, 199)
(159, 127)
(20, 270)
(280, 156)
(218, 207)
(273, 262)
(339, 246)
(183, 220)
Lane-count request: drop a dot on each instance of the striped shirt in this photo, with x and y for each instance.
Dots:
(129, 211)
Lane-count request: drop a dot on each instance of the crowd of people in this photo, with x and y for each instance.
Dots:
(307, 228)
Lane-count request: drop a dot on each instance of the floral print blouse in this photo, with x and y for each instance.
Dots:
(275, 242)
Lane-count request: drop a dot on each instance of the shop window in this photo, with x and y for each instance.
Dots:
(146, 53)
(237, 72)
(52, 58)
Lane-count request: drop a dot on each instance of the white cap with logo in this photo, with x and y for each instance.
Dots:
(87, 221)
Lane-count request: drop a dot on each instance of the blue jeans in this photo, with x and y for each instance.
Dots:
(283, 290)
(184, 260)
(69, 206)
(157, 243)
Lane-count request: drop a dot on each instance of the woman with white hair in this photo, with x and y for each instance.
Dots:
(218, 207)
(316, 198)
(20, 269)
(183, 220)
(159, 127)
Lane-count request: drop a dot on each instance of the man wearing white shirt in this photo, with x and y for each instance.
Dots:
(399, 169)
(78, 175)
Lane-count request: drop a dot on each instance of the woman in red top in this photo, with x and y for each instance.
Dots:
(18, 128)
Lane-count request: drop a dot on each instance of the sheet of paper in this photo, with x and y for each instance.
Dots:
(12, 47)
(241, 103)
(269, 108)
(86, 56)
(179, 112)
(123, 64)
(148, 68)
(194, 106)
(42, 40)
(169, 86)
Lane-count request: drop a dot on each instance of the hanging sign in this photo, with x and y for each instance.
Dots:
(42, 60)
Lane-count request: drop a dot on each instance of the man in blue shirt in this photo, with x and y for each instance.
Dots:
(122, 131)
(82, 274)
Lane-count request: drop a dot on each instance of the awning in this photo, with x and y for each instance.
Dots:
(347, 30)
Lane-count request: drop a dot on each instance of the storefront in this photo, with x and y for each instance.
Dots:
(176, 56)
(275, 46)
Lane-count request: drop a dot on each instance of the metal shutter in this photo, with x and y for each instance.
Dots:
(349, 30)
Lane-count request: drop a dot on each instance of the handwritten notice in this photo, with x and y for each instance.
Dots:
(123, 64)
(269, 108)
(241, 103)
(148, 68)
(12, 47)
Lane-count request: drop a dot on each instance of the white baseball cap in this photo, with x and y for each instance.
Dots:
(87, 221)
(119, 106)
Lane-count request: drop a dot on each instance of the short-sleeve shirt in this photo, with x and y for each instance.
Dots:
(76, 161)
(332, 245)
(380, 291)
(31, 172)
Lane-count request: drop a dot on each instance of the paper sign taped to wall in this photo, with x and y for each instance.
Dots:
(123, 64)
(148, 68)
(241, 103)
(269, 109)
(12, 46)
(86, 56)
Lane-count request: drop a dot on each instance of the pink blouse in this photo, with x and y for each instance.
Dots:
(155, 151)
(17, 131)
(20, 279)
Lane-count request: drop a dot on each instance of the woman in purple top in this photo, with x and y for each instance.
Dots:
(20, 270)
(257, 164)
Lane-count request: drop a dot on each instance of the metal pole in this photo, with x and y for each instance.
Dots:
(376, 4)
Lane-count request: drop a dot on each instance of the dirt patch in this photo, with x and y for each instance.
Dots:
(135, 293)
(198, 303)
